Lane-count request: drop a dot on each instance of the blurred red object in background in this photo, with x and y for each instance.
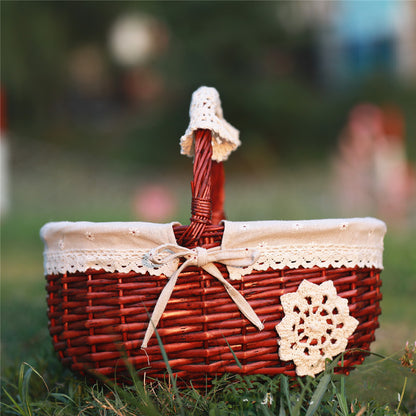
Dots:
(155, 203)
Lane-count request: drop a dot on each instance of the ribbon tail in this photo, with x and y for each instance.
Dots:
(236, 296)
(161, 305)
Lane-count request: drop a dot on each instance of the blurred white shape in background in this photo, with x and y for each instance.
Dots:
(133, 39)
(4, 159)
(406, 40)
(136, 40)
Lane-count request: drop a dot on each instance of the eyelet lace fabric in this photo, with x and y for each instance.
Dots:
(310, 255)
(292, 244)
(206, 113)
(316, 326)
(125, 247)
(113, 247)
(72, 261)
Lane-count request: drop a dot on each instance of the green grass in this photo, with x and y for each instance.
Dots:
(30, 393)
(72, 190)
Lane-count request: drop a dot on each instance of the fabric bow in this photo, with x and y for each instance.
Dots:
(204, 258)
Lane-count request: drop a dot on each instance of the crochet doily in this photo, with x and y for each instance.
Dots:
(316, 326)
(206, 113)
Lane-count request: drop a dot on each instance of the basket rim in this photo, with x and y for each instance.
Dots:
(125, 246)
(62, 226)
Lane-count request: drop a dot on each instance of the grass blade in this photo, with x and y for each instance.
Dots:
(15, 408)
(282, 411)
(233, 353)
(285, 388)
(266, 411)
(318, 395)
(142, 402)
(63, 398)
(342, 401)
(402, 395)
(299, 401)
(25, 390)
(342, 398)
(168, 367)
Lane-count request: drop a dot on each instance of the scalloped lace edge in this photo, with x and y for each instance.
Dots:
(72, 261)
(308, 256)
(276, 258)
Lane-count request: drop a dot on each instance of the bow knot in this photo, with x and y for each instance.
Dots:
(204, 258)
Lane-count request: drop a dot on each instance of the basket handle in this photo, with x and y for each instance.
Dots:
(207, 190)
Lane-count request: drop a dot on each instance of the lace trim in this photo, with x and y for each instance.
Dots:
(206, 113)
(60, 262)
(307, 256)
(270, 258)
(125, 247)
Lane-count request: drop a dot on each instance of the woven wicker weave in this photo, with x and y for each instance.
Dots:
(98, 319)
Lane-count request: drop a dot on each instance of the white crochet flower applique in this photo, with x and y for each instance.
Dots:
(316, 326)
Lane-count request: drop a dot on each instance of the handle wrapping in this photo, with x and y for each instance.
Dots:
(207, 190)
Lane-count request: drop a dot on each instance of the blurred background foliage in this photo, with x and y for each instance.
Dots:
(288, 74)
(97, 96)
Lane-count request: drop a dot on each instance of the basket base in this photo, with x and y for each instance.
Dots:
(98, 319)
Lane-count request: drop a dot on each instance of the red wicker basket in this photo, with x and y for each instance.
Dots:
(221, 299)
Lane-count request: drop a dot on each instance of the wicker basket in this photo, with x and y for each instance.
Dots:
(99, 317)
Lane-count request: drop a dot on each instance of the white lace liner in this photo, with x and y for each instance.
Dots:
(112, 246)
(125, 246)
(323, 243)
(206, 113)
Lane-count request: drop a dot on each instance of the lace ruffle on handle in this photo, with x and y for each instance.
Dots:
(206, 113)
